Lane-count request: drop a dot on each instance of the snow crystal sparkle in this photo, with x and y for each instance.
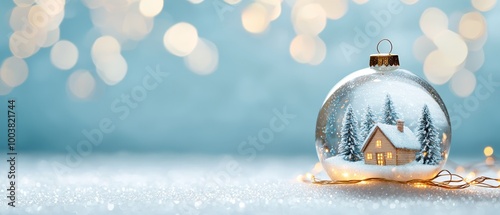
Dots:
(383, 122)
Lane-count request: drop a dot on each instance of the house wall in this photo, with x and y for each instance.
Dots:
(386, 147)
(405, 156)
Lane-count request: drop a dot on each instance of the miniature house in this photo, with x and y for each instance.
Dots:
(390, 145)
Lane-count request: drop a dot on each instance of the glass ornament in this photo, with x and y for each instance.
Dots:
(383, 122)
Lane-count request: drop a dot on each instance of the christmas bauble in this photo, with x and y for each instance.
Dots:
(383, 122)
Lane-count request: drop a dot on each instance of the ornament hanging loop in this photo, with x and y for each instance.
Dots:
(384, 61)
(385, 39)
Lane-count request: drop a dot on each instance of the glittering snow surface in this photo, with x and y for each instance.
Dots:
(344, 170)
(167, 184)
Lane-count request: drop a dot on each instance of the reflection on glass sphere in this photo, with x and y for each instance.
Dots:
(383, 123)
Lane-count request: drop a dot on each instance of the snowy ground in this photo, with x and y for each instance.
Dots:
(145, 184)
(345, 170)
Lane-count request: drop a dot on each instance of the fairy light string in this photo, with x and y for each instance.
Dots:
(444, 179)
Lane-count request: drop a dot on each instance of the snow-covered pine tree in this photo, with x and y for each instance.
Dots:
(367, 123)
(349, 140)
(329, 131)
(389, 112)
(428, 137)
(330, 127)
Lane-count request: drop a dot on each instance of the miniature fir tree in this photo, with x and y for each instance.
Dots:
(330, 127)
(389, 112)
(329, 133)
(428, 137)
(349, 141)
(367, 124)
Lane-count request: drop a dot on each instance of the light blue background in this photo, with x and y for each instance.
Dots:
(189, 113)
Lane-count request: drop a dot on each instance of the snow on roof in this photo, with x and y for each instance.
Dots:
(400, 140)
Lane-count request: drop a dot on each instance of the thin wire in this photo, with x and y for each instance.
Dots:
(385, 39)
(444, 179)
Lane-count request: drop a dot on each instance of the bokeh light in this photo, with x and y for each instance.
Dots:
(460, 170)
(81, 84)
(335, 9)
(435, 68)
(127, 21)
(150, 8)
(43, 19)
(20, 47)
(105, 45)
(360, 1)
(320, 52)
(203, 60)
(273, 8)
(310, 19)
(112, 69)
(18, 18)
(302, 48)
(24, 3)
(40, 38)
(34, 26)
(471, 176)
(483, 5)
(308, 49)
(488, 151)
(453, 47)
(433, 21)
(232, 2)
(463, 83)
(52, 7)
(490, 161)
(136, 26)
(452, 55)
(409, 2)
(64, 55)
(4, 88)
(195, 1)
(255, 18)
(110, 64)
(38, 17)
(472, 25)
(55, 21)
(181, 39)
(105, 21)
(14, 71)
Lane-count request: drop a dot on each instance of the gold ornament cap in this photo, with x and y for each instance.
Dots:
(384, 60)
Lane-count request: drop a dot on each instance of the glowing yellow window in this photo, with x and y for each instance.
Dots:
(369, 156)
(380, 159)
(389, 155)
(379, 144)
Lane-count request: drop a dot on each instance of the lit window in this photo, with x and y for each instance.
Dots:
(380, 159)
(369, 156)
(389, 155)
(379, 143)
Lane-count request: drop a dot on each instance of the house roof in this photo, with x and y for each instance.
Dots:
(400, 140)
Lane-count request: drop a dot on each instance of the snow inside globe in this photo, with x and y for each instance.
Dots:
(383, 122)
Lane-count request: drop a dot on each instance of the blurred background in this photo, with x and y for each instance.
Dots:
(233, 67)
